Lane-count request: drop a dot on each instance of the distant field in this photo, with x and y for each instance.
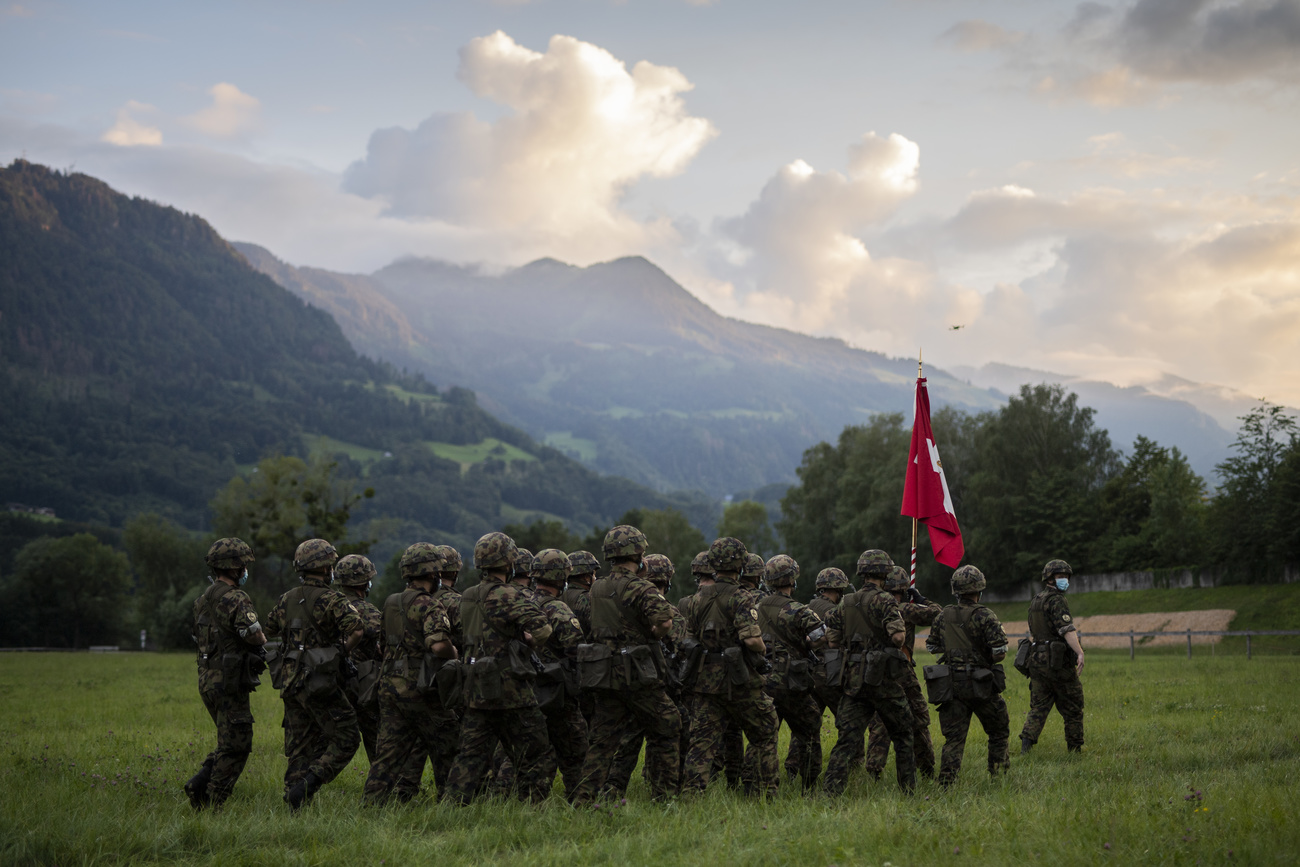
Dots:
(576, 447)
(319, 444)
(478, 452)
(1187, 762)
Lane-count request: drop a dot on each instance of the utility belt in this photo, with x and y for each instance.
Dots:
(791, 673)
(635, 666)
(1051, 655)
(963, 682)
(239, 669)
(871, 668)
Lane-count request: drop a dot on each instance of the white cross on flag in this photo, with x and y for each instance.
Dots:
(925, 492)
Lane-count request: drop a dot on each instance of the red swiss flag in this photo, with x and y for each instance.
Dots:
(925, 493)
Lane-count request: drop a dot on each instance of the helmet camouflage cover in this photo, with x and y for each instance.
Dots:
(898, 580)
(782, 571)
(832, 579)
(315, 555)
(494, 551)
(727, 554)
(523, 562)
(584, 563)
(451, 559)
(700, 565)
(874, 562)
(624, 542)
(659, 569)
(551, 566)
(420, 560)
(1055, 566)
(229, 555)
(354, 570)
(754, 567)
(967, 579)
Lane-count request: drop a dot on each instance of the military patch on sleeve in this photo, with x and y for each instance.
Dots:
(1065, 617)
(753, 612)
(574, 621)
(252, 617)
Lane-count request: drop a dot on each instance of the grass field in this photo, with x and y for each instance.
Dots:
(1187, 762)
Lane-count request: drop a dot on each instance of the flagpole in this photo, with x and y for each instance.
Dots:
(918, 377)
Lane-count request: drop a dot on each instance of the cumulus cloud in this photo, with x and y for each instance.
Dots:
(129, 132)
(231, 114)
(581, 128)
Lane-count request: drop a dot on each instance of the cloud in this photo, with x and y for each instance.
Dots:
(581, 128)
(231, 114)
(128, 132)
(1212, 42)
(976, 35)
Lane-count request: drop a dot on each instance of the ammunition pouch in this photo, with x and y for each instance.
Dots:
(320, 669)
(794, 674)
(595, 666)
(483, 680)
(426, 683)
(640, 667)
(1023, 649)
(976, 682)
(363, 690)
(876, 668)
(686, 664)
(275, 657)
(738, 673)
(938, 683)
(521, 660)
(239, 672)
(550, 686)
(450, 679)
(829, 672)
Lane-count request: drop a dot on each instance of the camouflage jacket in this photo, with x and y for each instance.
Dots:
(422, 624)
(917, 614)
(722, 616)
(625, 607)
(821, 606)
(566, 631)
(579, 601)
(369, 647)
(877, 615)
(330, 621)
(786, 624)
(450, 600)
(1049, 615)
(494, 613)
(971, 624)
(219, 613)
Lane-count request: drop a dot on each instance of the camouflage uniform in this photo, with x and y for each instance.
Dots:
(366, 656)
(446, 594)
(967, 637)
(826, 696)
(861, 626)
(625, 608)
(500, 703)
(1049, 622)
(914, 614)
(320, 733)
(410, 721)
(786, 624)
(220, 614)
(565, 726)
(577, 596)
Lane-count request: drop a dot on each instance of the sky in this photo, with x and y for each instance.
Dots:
(1102, 190)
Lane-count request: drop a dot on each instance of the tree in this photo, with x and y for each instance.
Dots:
(667, 532)
(1152, 510)
(163, 555)
(66, 592)
(747, 521)
(540, 535)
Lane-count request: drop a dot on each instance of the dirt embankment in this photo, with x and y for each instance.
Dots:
(1175, 623)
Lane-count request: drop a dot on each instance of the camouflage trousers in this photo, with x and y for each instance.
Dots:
(750, 712)
(889, 701)
(922, 746)
(320, 736)
(234, 721)
(620, 716)
(803, 714)
(410, 730)
(954, 722)
(1066, 693)
(567, 730)
(368, 724)
(521, 731)
(826, 697)
(620, 770)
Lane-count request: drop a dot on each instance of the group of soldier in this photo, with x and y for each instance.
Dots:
(546, 667)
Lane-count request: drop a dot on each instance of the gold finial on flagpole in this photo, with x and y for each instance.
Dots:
(918, 364)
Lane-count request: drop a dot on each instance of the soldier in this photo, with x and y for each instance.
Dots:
(731, 756)
(417, 642)
(969, 640)
(831, 584)
(501, 624)
(577, 593)
(1055, 661)
(624, 665)
(445, 591)
(868, 628)
(917, 611)
(727, 683)
(318, 626)
(230, 656)
(751, 578)
(557, 684)
(356, 574)
(792, 632)
(501, 779)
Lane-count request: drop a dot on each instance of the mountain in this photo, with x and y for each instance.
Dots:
(619, 366)
(143, 363)
(1140, 409)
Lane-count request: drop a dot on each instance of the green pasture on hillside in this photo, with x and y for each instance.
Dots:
(1187, 762)
(474, 453)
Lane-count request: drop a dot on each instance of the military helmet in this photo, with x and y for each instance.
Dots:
(1055, 566)
(781, 571)
(551, 566)
(897, 581)
(624, 542)
(967, 579)
(753, 568)
(495, 551)
(355, 570)
(523, 562)
(315, 555)
(832, 579)
(229, 555)
(450, 558)
(727, 554)
(659, 569)
(700, 565)
(874, 562)
(584, 563)
(421, 560)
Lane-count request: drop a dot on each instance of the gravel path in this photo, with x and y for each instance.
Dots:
(1173, 622)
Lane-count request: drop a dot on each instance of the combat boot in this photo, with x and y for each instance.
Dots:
(300, 793)
(197, 787)
(1025, 746)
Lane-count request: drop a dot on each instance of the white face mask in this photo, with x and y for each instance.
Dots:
(1062, 583)
(243, 579)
